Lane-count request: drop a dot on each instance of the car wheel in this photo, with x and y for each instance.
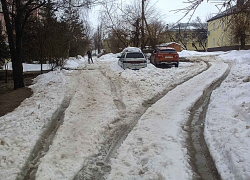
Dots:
(177, 64)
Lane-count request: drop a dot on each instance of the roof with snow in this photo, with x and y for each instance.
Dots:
(167, 44)
(222, 14)
(185, 26)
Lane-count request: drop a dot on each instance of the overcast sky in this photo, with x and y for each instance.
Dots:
(164, 7)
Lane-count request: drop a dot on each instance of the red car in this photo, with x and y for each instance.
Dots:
(164, 56)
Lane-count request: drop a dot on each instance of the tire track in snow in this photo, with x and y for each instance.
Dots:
(201, 162)
(97, 169)
(29, 170)
(42, 146)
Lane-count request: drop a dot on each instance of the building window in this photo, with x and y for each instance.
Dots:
(213, 26)
(185, 35)
(221, 41)
(213, 42)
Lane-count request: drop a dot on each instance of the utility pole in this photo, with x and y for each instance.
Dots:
(142, 28)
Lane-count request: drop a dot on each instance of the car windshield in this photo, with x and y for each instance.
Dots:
(134, 55)
(168, 51)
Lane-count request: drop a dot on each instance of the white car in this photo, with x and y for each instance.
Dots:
(132, 58)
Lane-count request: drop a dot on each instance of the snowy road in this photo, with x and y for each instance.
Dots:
(113, 103)
(118, 124)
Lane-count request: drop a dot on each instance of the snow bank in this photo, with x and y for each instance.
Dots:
(155, 148)
(186, 53)
(76, 62)
(20, 129)
(227, 127)
(108, 57)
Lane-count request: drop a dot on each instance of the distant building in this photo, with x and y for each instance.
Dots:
(191, 36)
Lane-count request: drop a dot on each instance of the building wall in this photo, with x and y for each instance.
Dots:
(220, 36)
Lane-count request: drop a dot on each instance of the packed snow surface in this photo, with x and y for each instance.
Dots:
(103, 95)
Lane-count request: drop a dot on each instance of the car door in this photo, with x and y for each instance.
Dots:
(121, 59)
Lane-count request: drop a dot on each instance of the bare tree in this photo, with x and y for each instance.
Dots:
(200, 32)
(98, 38)
(155, 33)
(127, 22)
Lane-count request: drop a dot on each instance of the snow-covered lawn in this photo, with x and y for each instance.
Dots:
(102, 93)
(20, 129)
(30, 67)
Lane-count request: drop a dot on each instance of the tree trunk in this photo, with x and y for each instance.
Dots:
(17, 63)
(204, 48)
(6, 73)
(193, 44)
(14, 52)
(142, 28)
(242, 42)
(68, 49)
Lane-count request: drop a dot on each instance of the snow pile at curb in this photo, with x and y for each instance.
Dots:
(108, 57)
(78, 62)
(20, 129)
(227, 127)
(185, 53)
(155, 147)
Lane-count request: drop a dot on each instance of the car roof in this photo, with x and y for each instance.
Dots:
(163, 48)
(133, 52)
(132, 49)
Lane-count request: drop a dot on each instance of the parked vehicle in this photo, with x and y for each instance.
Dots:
(132, 58)
(164, 56)
(102, 53)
